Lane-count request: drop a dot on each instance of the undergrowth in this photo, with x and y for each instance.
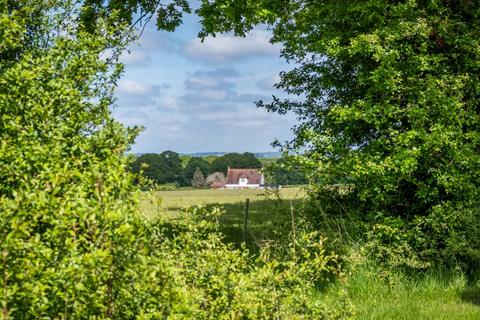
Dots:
(187, 271)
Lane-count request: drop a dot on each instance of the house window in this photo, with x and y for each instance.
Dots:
(243, 181)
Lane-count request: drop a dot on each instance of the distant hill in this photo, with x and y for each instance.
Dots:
(219, 154)
(272, 154)
(204, 154)
(260, 155)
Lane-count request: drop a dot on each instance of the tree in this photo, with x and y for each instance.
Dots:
(215, 177)
(169, 15)
(193, 164)
(71, 243)
(152, 166)
(174, 170)
(235, 160)
(62, 167)
(285, 171)
(198, 180)
(161, 168)
(390, 106)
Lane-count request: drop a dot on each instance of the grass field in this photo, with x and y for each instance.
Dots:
(269, 214)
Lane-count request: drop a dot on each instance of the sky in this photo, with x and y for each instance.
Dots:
(199, 97)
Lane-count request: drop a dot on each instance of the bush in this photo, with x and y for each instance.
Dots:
(185, 270)
(64, 195)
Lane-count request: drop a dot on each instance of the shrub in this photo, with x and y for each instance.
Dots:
(65, 195)
(185, 270)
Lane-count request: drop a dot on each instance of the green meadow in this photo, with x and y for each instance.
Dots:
(269, 212)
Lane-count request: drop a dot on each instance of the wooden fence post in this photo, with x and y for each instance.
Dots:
(245, 220)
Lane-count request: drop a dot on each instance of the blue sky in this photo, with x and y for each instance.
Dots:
(193, 97)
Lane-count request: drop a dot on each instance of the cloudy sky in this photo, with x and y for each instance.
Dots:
(196, 97)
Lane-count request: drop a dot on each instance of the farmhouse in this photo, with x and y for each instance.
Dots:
(244, 178)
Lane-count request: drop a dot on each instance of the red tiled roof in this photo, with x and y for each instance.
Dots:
(254, 176)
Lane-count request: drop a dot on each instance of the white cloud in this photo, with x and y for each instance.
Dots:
(135, 58)
(238, 117)
(214, 95)
(126, 86)
(131, 87)
(141, 53)
(168, 103)
(131, 93)
(228, 48)
(215, 79)
(268, 83)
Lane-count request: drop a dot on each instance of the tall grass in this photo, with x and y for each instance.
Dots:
(380, 294)
(373, 291)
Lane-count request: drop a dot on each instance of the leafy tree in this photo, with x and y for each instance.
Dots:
(193, 164)
(215, 177)
(62, 168)
(152, 166)
(198, 180)
(250, 161)
(169, 13)
(235, 160)
(390, 106)
(285, 171)
(174, 170)
(161, 168)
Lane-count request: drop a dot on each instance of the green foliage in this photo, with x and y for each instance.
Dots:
(246, 160)
(161, 168)
(190, 273)
(169, 15)
(72, 245)
(65, 194)
(389, 105)
(285, 171)
(193, 164)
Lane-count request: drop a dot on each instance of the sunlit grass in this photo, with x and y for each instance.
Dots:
(172, 203)
(378, 294)
(269, 214)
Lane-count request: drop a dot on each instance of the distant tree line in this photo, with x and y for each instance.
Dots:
(162, 168)
(285, 171)
(167, 168)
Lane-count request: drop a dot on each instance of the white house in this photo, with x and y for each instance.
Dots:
(244, 178)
